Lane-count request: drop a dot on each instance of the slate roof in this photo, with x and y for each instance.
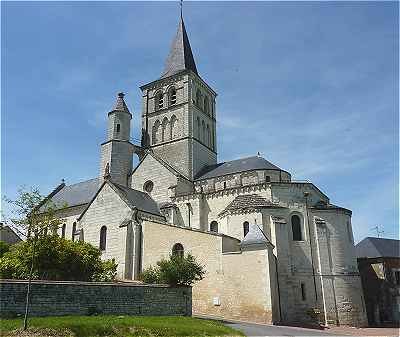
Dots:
(255, 236)
(236, 166)
(120, 104)
(180, 56)
(327, 206)
(378, 247)
(76, 194)
(138, 199)
(247, 201)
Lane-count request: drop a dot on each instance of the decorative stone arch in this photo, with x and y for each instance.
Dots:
(165, 135)
(208, 135)
(154, 132)
(158, 100)
(198, 128)
(173, 127)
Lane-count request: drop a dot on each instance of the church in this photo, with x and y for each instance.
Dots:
(273, 248)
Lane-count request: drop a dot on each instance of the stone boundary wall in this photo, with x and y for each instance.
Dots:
(58, 298)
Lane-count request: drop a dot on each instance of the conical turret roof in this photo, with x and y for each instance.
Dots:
(120, 104)
(180, 56)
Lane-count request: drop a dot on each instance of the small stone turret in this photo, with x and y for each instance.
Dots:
(117, 151)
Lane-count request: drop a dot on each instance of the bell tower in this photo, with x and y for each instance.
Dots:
(117, 151)
(179, 117)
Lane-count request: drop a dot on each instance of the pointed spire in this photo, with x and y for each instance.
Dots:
(120, 104)
(180, 56)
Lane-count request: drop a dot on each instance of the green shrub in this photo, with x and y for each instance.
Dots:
(176, 271)
(4, 248)
(56, 259)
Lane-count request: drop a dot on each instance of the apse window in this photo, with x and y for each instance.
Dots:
(214, 227)
(148, 186)
(103, 238)
(296, 228)
(303, 291)
(245, 228)
(178, 250)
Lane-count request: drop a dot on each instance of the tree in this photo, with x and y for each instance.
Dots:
(33, 215)
(176, 271)
(56, 259)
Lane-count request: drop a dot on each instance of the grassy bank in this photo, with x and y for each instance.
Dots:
(114, 326)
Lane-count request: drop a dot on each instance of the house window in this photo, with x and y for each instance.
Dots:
(267, 179)
(303, 291)
(118, 127)
(214, 226)
(159, 101)
(296, 228)
(172, 96)
(64, 226)
(103, 238)
(246, 227)
(148, 186)
(178, 250)
(73, 231)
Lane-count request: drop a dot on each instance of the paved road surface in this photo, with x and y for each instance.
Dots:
(251, 329)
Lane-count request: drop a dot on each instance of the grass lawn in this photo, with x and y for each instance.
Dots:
(114, 326)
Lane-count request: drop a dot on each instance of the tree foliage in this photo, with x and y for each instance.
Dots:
(56, 259)
(176, 271)
(32, 215)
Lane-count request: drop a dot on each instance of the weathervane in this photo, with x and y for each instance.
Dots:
(181, 4)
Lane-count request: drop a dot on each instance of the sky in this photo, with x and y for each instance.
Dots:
(312, 86)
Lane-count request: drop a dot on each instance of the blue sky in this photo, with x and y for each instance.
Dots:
(313, 86)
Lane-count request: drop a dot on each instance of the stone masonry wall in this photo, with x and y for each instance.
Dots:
(58, 298)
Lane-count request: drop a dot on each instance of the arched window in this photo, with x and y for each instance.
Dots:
(165, 135)
(118, 127)
(214, 226)
(246, 228)
(172, 96)
(173, 133)
(296, 228)
(159, 100)
(206, 105)
(198, 129)
(155, 131)
(103, 238)
(203, 128)
(73, 231)
(208, 136)
(198, 98)
(148, 186)
(64, 226)
(178, 250)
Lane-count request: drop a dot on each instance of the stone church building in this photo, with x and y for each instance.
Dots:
(272, 248)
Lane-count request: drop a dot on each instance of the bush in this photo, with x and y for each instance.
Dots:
(176, 271)
(4, 248)
(56, 259)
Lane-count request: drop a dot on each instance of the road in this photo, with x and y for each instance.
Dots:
(252, 329)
